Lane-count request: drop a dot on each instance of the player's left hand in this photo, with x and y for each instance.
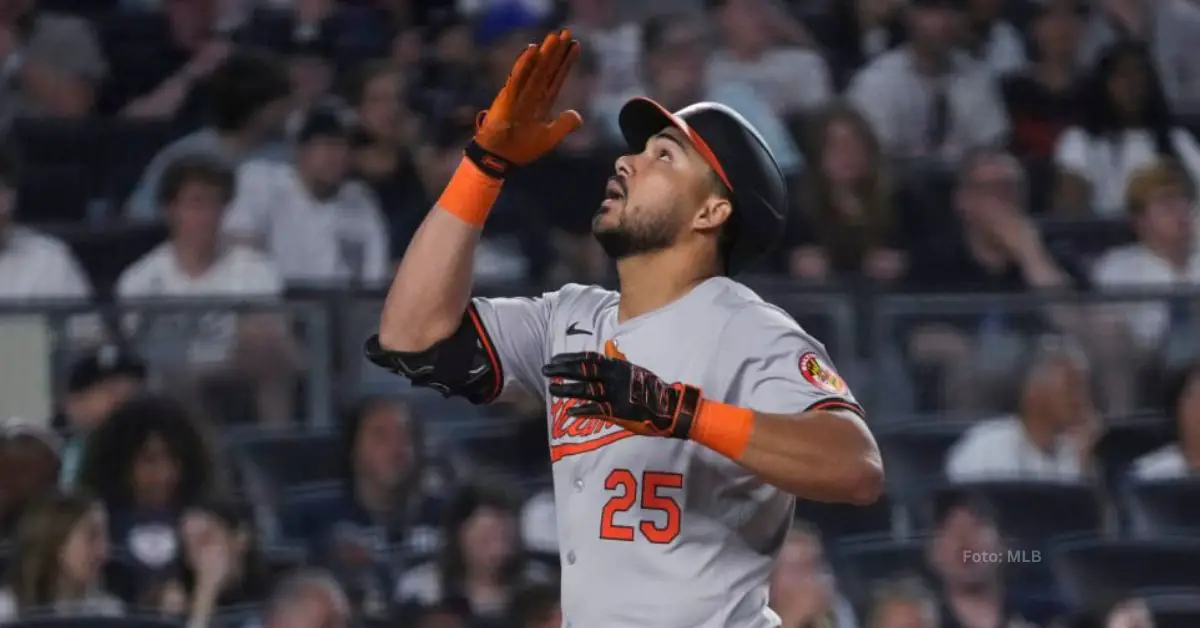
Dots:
(628, 395)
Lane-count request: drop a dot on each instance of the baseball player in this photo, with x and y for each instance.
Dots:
(684, 412)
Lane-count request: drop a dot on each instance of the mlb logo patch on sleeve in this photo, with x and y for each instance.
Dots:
(820, 374)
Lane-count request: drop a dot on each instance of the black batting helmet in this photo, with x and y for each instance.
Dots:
(737, 154)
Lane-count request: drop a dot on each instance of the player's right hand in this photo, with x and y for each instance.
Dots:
(518, 127)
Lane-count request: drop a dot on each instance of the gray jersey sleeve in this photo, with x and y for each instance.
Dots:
(516, 331)
(772, 365)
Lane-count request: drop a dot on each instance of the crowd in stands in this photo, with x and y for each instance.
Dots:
(252, 153)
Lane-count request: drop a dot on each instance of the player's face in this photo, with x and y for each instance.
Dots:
(651, 200)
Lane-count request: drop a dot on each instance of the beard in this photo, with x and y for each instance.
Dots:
(630, 238)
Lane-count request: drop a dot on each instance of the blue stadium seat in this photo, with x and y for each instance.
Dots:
(96, 622)
(1030, 514)
(1174, 607)
(916, 452)
(838, 521)
(1089, 570)
(860, 562)
(1165, 506)
(293, 459)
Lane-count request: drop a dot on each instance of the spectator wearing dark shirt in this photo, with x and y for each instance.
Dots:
(974, 592)
(1041, 99)
(29, 462)
(147, 463)
(537, 606)
(848, 223)
(855, 32)
(383, 150)
(385, 502)
(990, 244)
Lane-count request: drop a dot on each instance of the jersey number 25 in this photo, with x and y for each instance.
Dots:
(626, 482)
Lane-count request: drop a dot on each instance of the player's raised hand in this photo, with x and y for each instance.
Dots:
(612, 389)
(519, 127)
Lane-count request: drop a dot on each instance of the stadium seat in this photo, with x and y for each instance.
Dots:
(838, 521)
(1088, 570)
(128, 147)
(239, 616)
(916, 452)
(1174, 607)
(1029, 514)
(860, 562)
(1165, 506)
(105, 253)
(290, 460)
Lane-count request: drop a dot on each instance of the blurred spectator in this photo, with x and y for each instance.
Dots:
(33, 265)
(384, 503)
(1160, 204)
(991, 39)
(384, 146)
(539, 523)
(1126, 612)
(973, 591)
(1171, 28)
(314, 223)
(96, 385)
(1125, 124)
(443, 79)
(250, 95)
(789, 79)
(482, 560)
(53, 67)
(803, 591)
(1050, 438)
(926, 99)
(148, 462)
(161, 60)
(903, 603)
(61, 548)
(449, 613)
(848, 223)
(854, 32)
(1181, 402)
(311, 61)
(989, 244)
(1041, 100)
(29, 463)
(537, 606)
(221, 565)
(193, 194)
(617, 43)
(308, 599)
(674, 55)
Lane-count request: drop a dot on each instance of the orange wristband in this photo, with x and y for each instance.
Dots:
(723, 428)
(470, 194)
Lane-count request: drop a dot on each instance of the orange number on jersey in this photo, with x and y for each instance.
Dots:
(652, 481)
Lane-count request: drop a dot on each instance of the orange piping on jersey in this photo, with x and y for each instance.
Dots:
(486, 341)
(835, 403)
(562, 450)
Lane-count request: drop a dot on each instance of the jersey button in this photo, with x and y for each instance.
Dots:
(578, 485)
(571, 558)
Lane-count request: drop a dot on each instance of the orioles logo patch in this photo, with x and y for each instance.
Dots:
(820, 374)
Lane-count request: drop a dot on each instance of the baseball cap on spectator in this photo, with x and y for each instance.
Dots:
(327, 119)
(318, 43)
(104, 363)
(1150, 181)
(13, 428)
(65, 46)
(502, 19)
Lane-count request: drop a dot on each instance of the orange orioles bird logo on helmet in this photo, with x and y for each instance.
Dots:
(817, 373)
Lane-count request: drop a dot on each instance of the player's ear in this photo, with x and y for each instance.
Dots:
(713, 213)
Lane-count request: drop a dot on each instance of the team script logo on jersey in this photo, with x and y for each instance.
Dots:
(821, 375)
(573, 435)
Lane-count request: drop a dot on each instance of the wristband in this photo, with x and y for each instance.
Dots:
(723, 428)
(470, 193)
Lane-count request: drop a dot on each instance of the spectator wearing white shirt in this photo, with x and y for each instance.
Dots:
(1051, 436)
(314, 223)
(1125, 124)
(927, 99)
(790, 79)
(1160, 203)
(1182, 403)
(33, 265)
(194, 263)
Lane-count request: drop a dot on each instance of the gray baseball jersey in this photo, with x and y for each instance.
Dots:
(658, 532)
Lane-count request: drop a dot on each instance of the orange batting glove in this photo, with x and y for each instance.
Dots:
(516, 129)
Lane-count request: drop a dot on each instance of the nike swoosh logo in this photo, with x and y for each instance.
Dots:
(574, 330)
